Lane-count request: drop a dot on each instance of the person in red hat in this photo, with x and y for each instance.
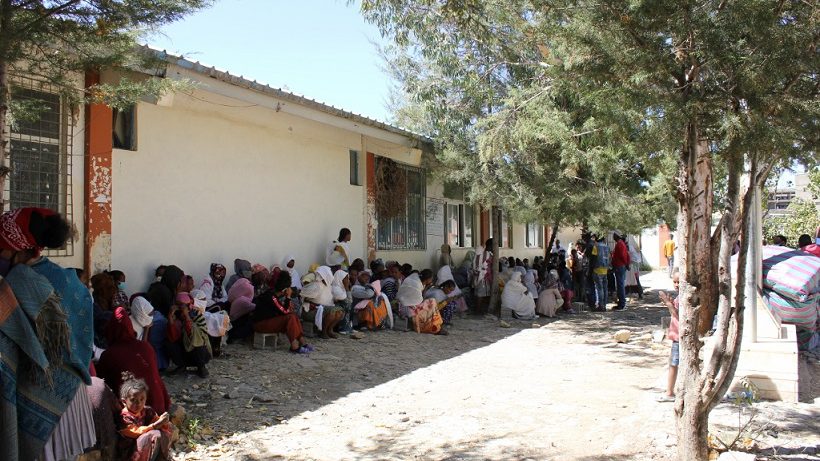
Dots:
(47, 327)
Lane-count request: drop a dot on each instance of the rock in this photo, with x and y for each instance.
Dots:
(177, 413)
(503, 324)
(736, 456)
(622, 336)
(657, 336)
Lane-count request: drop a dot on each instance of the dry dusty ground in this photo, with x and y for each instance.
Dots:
(559, 390)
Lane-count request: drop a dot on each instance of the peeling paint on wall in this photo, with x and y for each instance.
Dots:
(98, 197)
(370, 208)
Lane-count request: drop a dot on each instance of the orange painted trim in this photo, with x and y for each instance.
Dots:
(99, 146)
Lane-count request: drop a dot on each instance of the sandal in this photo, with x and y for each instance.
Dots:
(665, 398)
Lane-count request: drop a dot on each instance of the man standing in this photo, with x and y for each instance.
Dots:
(588, 258)
(601, 267)
(669, 252)
(620, 263)
(557, 248)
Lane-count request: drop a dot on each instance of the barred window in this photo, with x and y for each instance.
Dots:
(40, 153)
(408, 230)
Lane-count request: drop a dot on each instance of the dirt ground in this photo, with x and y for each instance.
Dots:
(555, 389)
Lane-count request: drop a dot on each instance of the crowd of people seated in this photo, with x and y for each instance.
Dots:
(84, 367)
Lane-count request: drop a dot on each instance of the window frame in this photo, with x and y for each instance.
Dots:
(130, 128)
(399, 235)
(539, 235)
(465, 213)
(355, 168)
(64, 158)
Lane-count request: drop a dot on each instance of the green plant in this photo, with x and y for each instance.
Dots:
(748, 430)
(190, 429)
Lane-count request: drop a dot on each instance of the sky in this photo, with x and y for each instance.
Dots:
(321, 49)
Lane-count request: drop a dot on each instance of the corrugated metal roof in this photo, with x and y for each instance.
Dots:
(225, 76)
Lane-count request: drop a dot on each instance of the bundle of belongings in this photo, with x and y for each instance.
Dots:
(791, 290)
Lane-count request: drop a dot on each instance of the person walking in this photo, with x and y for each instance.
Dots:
(620, 263)
(669, 251)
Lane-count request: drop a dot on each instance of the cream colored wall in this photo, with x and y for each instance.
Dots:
(210, 183)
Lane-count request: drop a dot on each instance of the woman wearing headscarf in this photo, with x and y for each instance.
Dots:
(242, 270)
(374, 312)
(445, 258)
(550, 299)
(516, 298)
(455, 296)
(530, 283)
(188, 344)
(142, 316)
(318, 305)
(288, 265)
(126, 353)
(343, 300)
(275, 314)
(46, 326)
(217, 323)
(424, 312)
(241, 298)
(161, 294)
(213, 287)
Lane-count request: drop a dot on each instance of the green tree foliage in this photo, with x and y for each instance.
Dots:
(583, 109)
(56, 41)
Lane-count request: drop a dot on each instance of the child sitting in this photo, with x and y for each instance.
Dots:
(144, 436)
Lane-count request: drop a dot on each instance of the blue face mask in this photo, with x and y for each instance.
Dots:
(121, 286)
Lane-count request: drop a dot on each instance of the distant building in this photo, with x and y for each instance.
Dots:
(780, 198)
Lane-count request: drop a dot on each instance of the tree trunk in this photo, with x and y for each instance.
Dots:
(548, 250)
(495, 301)
(697, 283)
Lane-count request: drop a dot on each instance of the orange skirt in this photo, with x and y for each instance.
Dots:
(374, 316)
(426, 317)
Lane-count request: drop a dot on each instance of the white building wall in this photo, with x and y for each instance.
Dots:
(218, 180)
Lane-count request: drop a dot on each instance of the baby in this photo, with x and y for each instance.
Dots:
(143, 435)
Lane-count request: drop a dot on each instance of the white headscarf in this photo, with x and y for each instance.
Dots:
(338, 287)
(326, 275)
(141, 315)
(410, 291)
(319, 291)
(295, 280)
(515, 296)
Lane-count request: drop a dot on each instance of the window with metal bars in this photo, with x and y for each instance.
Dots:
(408, 231)
(40, 147)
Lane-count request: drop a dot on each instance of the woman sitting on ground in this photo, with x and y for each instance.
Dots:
(288, 265)
(259, 278)
(516, 298)
(391, 283)
(103, 291)
(188, 343)
(120, 296)
(162, 294)
(423, 312)
(127, 354)
(550, 300)
(242, 270)
(447, 296)
(241, 298)
(318, 306)
(446, 274)
(275, 314)
(343, 300)
(213, 287)
(142, 317)
(217, 323)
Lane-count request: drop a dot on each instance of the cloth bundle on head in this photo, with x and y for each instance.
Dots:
(410, 291)
(15, 229)
(142, 315)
